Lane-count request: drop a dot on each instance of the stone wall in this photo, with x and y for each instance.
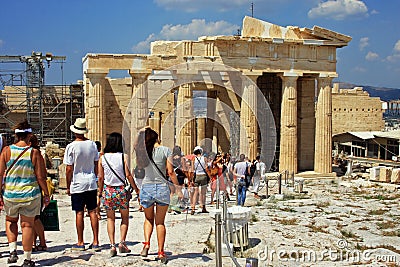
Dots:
(353, 110)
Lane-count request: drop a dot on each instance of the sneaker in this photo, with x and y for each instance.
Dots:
(28, 263)
(78, 247)
(13, 257)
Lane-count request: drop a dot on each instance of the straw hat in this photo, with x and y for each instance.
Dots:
(79, 126)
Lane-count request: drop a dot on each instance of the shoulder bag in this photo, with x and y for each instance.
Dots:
(208, 177)
(163, 175)
(127, 188)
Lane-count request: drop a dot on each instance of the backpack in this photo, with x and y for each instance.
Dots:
(252, 168)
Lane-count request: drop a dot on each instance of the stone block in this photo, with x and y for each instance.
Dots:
(375, 173)
(385, 175)
(395, 178)
(62, 176)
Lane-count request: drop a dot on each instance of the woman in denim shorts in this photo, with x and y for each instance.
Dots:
(155, 193)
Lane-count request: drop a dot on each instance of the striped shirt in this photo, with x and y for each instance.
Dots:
(20, 184)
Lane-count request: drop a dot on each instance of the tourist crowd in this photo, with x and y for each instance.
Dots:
(164, 181)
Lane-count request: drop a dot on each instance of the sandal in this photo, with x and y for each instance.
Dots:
(123, 248)
(40, 248)
(145, 250)
(162, 257)
(113, 251)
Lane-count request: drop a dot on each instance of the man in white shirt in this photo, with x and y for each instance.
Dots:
(239, 172)
(260, 171)
(81, 157)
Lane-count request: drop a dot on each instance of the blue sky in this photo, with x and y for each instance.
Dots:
(73, 28)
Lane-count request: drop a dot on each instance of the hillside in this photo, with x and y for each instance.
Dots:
(385, 94)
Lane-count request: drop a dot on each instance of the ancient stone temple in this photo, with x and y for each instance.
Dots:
(290, 68)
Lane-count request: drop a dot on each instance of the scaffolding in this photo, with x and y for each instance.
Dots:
(49, 109)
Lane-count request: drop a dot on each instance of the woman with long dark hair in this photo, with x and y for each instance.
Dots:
(113, 173)
(155, 192)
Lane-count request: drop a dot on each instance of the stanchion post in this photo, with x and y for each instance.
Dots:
(292, 178)
(287, 175)
(217, 195)
(286, 178)
(280, 184)
(218, 240)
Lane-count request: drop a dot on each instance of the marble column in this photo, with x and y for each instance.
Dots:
(201, 131)
(211, 123)
(96, 112)
(323, 125)
(185, 120)
(288, 143)
(138, 109)
(248, 120)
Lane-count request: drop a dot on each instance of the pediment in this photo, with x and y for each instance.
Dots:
(261, 29)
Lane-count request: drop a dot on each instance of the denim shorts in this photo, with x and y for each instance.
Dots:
(151, 194)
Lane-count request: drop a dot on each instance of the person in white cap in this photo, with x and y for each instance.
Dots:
(24, 178)
(81, 157)
(200, 179)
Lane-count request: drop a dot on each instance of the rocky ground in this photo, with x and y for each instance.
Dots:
(335, 222)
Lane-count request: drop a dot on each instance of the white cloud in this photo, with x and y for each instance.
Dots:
(359, 69)
(397, 47)
(364, 42)
(339, 9)
(371, 56)
(191, 31)
(144, 46)
(374, 12)
(396, 55)
(393, 58)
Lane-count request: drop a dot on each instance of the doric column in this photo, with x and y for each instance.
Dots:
(185, 121)
(248, 109)
(139, 107)
(211, 142)
(201, 131)
(288, 143)
(96, 112)
(323, 125)
(138, 110)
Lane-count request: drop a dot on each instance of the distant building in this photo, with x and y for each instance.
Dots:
(374, 144)
(392, 115)
(353, 110)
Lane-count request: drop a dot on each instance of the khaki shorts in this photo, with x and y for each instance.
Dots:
(200, 180)
(28, 209)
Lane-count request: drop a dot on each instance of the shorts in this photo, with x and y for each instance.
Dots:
(28, 209)
(151, 194)
(87, 198)
(200, 180)
(114, 198)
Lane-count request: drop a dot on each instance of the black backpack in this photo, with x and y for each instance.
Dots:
(252, 168)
